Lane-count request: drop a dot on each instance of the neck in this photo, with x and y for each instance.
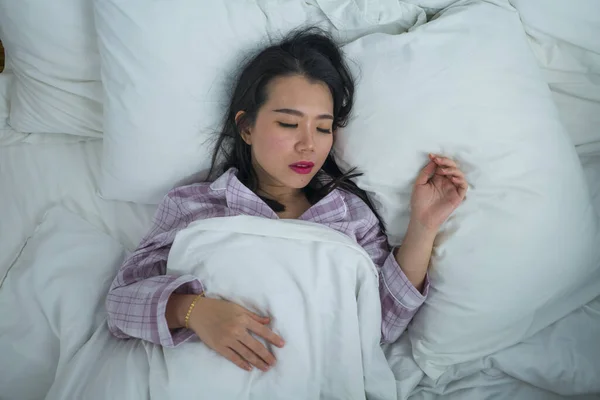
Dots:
(280, 194)
(273, 190)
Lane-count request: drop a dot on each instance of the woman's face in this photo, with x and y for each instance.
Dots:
(292, 135)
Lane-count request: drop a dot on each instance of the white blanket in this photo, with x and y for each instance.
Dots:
(320, 289)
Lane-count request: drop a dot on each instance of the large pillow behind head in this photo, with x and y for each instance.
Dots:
(466, 86)
(165, 101)
(51, 48)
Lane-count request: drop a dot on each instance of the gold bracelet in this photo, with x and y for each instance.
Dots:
(189, 312)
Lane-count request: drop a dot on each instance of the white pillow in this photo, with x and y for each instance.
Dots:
(54, 56)
(165, 100)
(467, 86)
(8, 136)
(65, 259)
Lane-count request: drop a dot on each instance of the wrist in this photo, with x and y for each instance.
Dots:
(414, 255)
(423, 232)
(177, 308)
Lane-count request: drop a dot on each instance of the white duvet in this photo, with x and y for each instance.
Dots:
(320, 289)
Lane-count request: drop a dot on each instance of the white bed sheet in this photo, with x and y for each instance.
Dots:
(33, 178)
(560, 362)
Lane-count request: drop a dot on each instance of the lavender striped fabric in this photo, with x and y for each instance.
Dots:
(138, 296)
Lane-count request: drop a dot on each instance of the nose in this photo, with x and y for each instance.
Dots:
(306, 141)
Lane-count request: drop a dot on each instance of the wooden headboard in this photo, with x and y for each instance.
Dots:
(1, 57)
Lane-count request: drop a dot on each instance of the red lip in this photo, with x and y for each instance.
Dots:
(302, 167)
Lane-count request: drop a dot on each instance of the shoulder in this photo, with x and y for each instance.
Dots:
(203, 193)
(195, 201)
(193, 192)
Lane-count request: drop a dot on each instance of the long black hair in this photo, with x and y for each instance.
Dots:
(308, 52)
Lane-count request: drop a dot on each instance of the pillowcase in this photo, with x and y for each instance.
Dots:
(466, 86)
(165, 101)
(8, 136)
(55, 288)
(54, 56)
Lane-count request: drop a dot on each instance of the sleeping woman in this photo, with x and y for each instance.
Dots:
(273, 160)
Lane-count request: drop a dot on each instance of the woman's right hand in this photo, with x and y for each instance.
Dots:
(226, 328)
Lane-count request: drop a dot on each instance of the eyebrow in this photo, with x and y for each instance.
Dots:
(300, 113)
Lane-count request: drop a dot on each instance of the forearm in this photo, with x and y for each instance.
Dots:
(414, 254)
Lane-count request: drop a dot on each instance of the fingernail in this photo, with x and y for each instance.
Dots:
(248, 368)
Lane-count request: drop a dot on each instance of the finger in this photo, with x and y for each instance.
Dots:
(266, 334)
(449, 171)
(461, 185)
(258, 318)
(250, 356)
(444, 161)
(258, 349)
(426, 173)
(235, 358)
(458, 180)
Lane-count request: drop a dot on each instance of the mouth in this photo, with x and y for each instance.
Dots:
(302, 167)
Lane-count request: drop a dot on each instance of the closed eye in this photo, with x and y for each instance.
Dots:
(284, 125)
(324, 130)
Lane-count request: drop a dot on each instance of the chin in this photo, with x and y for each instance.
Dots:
(299, 182)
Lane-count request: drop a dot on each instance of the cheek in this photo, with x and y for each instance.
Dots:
(325, 145)
(272, 141)
(271, 145)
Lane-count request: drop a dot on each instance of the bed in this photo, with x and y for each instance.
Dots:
(46, 179)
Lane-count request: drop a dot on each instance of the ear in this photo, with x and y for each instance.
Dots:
(244, 132)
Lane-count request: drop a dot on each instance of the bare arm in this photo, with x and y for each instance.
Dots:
(414, 254)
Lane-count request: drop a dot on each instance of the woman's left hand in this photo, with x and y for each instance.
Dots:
(439, 189)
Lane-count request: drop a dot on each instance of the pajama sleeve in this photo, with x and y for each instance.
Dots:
(138, 296)
(400, 300)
